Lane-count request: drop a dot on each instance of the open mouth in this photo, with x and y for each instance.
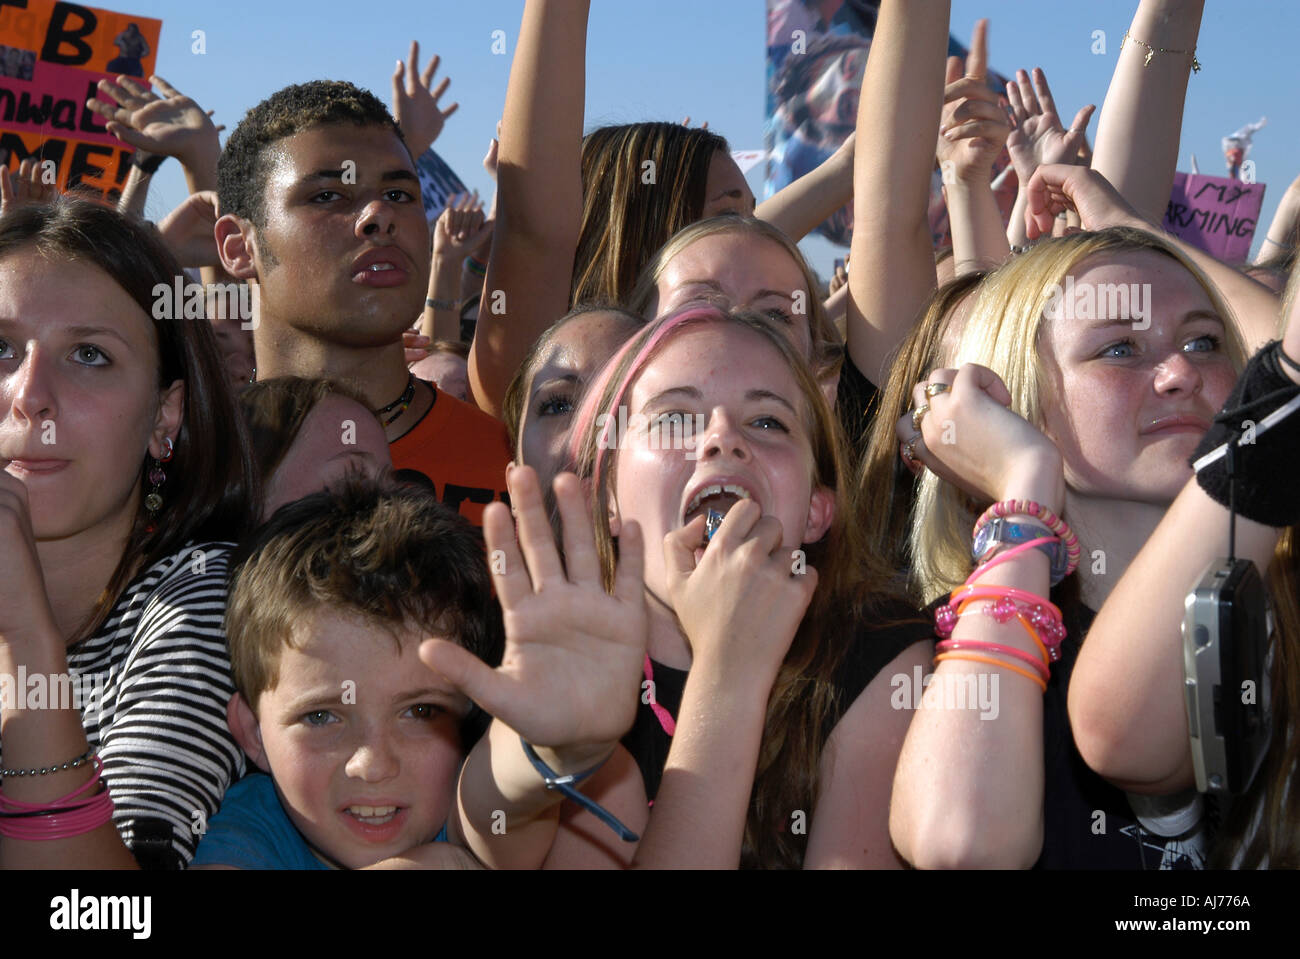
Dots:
(372, 815)
(718, 498)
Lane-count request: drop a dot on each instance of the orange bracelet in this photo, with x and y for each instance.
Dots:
(971, 657)
(1033, 633)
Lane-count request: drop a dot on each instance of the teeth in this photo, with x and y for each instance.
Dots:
(737, 491)
(379, 814)
(377, 267)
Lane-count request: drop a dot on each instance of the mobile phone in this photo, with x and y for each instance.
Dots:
(1225, 652)
(712, 520)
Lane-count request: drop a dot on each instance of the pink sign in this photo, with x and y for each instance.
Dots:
(53, 103)
(1215, 214)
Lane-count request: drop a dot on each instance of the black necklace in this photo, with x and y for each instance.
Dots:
(401, 404)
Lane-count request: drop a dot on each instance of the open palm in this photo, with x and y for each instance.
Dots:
(1038, 137)
(574, 652)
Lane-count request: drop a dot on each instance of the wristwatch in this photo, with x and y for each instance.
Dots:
(999, 532)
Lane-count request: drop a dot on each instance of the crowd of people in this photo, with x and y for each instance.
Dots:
(630, 543)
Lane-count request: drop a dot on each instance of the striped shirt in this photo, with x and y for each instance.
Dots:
(160, 674)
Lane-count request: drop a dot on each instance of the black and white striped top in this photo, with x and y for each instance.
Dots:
(157, 679)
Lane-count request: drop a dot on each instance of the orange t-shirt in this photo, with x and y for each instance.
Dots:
(461, 451)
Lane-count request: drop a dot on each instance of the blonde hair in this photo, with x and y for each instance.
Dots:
(827, 347)
(1003, 331)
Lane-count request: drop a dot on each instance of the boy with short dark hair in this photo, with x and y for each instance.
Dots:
(331, 607)
(320, 208)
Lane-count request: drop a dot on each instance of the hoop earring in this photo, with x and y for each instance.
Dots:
(153, 501)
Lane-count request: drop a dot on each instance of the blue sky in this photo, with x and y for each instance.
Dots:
(664, 59)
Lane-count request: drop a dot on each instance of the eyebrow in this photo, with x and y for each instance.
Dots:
(1189, 317)
(77, 331)
(692, 393)
(714, 285)
(568, 379)
(403, 175)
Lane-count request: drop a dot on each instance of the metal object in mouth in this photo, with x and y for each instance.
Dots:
(712, 520)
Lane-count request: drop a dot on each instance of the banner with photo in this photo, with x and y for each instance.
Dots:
(52, 55)
(816, 55)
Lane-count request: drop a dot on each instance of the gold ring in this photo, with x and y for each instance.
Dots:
(934, 389)
(918, 414)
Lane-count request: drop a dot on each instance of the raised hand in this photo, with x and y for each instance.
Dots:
(461, 228)
(574, 653)
(741, 597)
(188, 230)
(1038, 137)
(973, 126)
(969, 436)
(27, 186)
(415, 106)
(1059, 187)
(168, 125)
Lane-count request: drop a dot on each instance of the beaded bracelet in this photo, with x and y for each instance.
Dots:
(62, 818)
(992, 610)
(1027, 507)
(70, 764)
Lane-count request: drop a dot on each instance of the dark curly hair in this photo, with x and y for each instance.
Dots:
(241, 171)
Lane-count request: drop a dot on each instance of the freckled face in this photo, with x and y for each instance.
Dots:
(363, 740)
(1135, 402)
(754, 435)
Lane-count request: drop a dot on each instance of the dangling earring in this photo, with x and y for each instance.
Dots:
(153, 501)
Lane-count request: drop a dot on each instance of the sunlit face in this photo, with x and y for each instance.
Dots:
(338, 436)
(725, 190)
(1136, 402)
(78, 393)
(753, 435)
(448, 371)
(363, 740)
(347, 262)
(738, 270)
(575, 354)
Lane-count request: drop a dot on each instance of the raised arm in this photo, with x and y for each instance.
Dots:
(567, 683)
(1282, 232)
(802, 206)
(972, 132)
(968, 792)
(1142, 117)
(893, 254)
(1058, 188)
(539, 195)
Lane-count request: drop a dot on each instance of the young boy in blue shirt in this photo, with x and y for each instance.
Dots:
(359, 623)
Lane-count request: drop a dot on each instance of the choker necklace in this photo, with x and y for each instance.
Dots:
(401, 404)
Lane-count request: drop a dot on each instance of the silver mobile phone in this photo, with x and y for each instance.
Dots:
(1225, 650)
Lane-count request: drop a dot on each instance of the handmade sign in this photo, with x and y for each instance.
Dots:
(1215, 214)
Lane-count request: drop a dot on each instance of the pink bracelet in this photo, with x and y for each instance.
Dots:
(955, 644)
(1043, 617)
(1009, 554)
(1027, 507)
(58, 819)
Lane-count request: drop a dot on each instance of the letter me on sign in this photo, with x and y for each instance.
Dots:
(67, 49)
(1215, 214)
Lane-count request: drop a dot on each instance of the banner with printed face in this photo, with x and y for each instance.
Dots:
(438, 182)
(52, 54)
(1214, 213)
(816, 54)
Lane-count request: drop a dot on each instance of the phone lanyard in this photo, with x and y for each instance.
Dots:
(663, 715)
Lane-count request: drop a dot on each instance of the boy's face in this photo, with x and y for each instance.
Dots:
(363, 741)
(344, 250)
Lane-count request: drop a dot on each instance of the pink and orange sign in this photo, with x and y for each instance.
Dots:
(52, 54)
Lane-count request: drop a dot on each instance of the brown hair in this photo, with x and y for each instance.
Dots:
(275, 410)
(211, 491)
(629, 209)
(805, 701)
(390, 553)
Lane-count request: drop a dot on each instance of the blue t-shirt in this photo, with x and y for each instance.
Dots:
(252, 831)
